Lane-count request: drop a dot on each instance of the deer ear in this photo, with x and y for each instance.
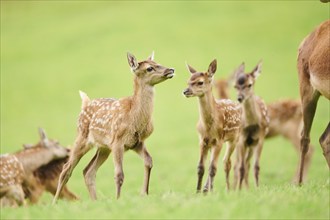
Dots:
(191, 69)
(43, 136)
(239, 70)
(257, 70)
(151, 57)
(212, 68)
(132, 62)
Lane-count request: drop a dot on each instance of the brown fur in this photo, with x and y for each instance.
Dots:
(314, 80)
(285, 119)
(219, 122)
(17, 169)
(255, 122)
(116, 126)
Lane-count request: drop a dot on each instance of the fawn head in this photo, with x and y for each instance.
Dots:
(245, 81)
(50, 145)
(148, 71)
(200, 82)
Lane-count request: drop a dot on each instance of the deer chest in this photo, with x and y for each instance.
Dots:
(251, 135)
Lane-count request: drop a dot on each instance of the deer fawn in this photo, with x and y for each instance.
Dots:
(254, 124)
(116, 126)
(17, 169)
(219, 122)
(314, 80)
(285, 119)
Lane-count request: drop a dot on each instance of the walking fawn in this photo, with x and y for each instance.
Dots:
(219, 122)
(17, 169)
(254, 124)
(314, 80)
(116, 126)
(285, 119)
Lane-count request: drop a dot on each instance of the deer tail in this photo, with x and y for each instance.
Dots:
(85, 99)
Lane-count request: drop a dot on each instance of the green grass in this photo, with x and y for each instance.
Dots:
(52, 49)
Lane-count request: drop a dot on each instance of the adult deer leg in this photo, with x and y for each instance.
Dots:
(309, 103)
(325, 143)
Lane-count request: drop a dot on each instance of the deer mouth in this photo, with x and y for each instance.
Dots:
(169, 74)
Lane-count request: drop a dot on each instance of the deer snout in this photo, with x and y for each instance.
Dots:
(169, 73)
(240, 98)
(187, 92)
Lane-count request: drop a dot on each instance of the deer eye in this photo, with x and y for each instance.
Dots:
(249, 86)
(200, 83)
(149, 69)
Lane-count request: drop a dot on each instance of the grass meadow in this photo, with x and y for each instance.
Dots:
(52, 49)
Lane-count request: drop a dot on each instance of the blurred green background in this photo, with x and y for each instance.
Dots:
(52, 49)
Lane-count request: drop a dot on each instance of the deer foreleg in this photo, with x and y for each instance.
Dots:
(227, 162)
(142, 151)
(201, 164)
(215, 151)
(118, 153)
(257, 153)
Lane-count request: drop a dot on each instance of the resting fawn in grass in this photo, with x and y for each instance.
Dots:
(285, 119)
(255, 123)
(314, 81)
(117, 126)
(17, 169)
(219, 122)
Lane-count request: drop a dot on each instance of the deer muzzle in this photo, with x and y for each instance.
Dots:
(169, 73)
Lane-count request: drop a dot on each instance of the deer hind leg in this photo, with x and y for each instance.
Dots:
(141, 150)
(294, 137)
(227, 161)
(90, 170)
(309, 103)
(215, 152)
(325, 143)
(201, 164)
(80, 149)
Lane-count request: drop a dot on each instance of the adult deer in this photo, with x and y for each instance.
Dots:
(17, 169)
(254, 124)
(219, 122)
(116, 126)
(285, 119)
(314, 80)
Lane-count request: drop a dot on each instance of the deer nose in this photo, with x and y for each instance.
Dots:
(240, 98)
(186, 91)
(172, 69)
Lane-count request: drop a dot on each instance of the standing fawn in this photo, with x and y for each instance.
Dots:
(17, 169)
(314, 80)
(219, 122)
(116, 126)
(254, 125)
(285, 119)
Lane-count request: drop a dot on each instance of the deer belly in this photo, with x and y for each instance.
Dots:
(322, 85)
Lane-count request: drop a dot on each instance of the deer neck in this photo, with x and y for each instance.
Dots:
(250, 111)
(206, 108)
(32, 159)
(142, 104)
